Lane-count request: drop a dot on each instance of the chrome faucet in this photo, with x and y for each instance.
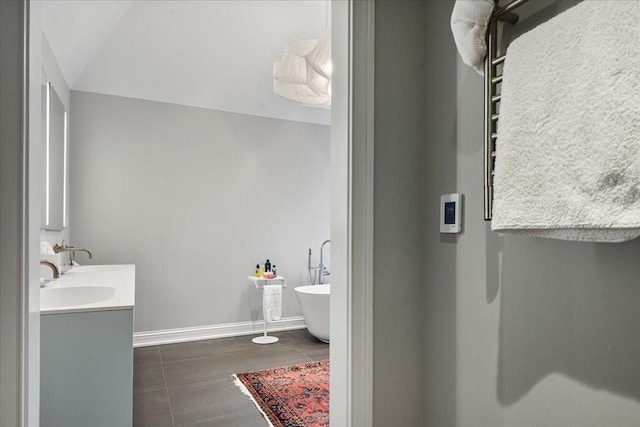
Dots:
(322, 269)
(54, 268)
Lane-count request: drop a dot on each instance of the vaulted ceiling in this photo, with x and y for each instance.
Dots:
(214, 54)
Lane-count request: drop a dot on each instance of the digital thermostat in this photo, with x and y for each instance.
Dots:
(451, 213)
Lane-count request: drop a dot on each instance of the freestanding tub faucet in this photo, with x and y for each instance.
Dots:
(322, 269)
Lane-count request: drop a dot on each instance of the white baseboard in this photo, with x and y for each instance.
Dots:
(171, 336)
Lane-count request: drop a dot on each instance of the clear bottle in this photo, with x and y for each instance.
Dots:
(273, 270)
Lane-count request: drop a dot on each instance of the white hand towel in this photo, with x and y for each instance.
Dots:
(469, 21)
(568, 147)
(272, 302)
(46, 249)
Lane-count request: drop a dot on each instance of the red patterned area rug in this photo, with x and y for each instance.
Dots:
(290, 396)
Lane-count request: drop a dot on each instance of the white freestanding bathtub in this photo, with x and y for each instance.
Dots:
(314, 302)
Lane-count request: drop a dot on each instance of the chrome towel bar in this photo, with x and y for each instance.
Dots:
(492, 97)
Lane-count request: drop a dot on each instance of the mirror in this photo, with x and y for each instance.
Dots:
(54, 159)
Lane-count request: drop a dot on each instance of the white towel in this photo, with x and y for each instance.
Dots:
(568, 147)
(46, 249)
(469, 21)
(272, 302)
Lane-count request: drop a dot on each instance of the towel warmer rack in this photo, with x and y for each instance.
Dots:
(492, 97)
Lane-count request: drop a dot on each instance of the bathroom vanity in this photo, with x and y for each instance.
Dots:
(86, 356)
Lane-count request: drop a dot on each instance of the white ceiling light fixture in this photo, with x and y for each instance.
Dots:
(303, 72)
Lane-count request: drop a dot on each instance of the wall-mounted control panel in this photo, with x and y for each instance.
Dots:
(451, 213)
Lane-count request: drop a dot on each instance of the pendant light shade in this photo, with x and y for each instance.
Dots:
(303, 72)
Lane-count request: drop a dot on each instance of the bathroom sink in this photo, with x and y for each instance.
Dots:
(51, 298)
(96, 268)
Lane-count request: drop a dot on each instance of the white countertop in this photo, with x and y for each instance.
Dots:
(113, 289)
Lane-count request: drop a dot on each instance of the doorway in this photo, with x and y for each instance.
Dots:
(350, 315)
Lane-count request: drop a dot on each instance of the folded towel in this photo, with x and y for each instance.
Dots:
(568, 148)
(272, 302)
(469, 21)
(46, 249)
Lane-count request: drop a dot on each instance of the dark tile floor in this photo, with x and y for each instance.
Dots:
(190, 384)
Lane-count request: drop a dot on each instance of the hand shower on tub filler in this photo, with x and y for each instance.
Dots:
(321, 271)
(266, 270)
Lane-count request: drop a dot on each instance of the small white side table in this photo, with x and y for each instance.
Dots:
(259, 282)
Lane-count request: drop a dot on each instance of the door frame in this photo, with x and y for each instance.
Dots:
(15, 367)
(352, 181)
(352, 217)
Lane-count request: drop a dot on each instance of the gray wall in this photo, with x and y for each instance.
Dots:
(54, 74)
(517, 331)
(399, 115)
(440, 162)
(195, 198)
